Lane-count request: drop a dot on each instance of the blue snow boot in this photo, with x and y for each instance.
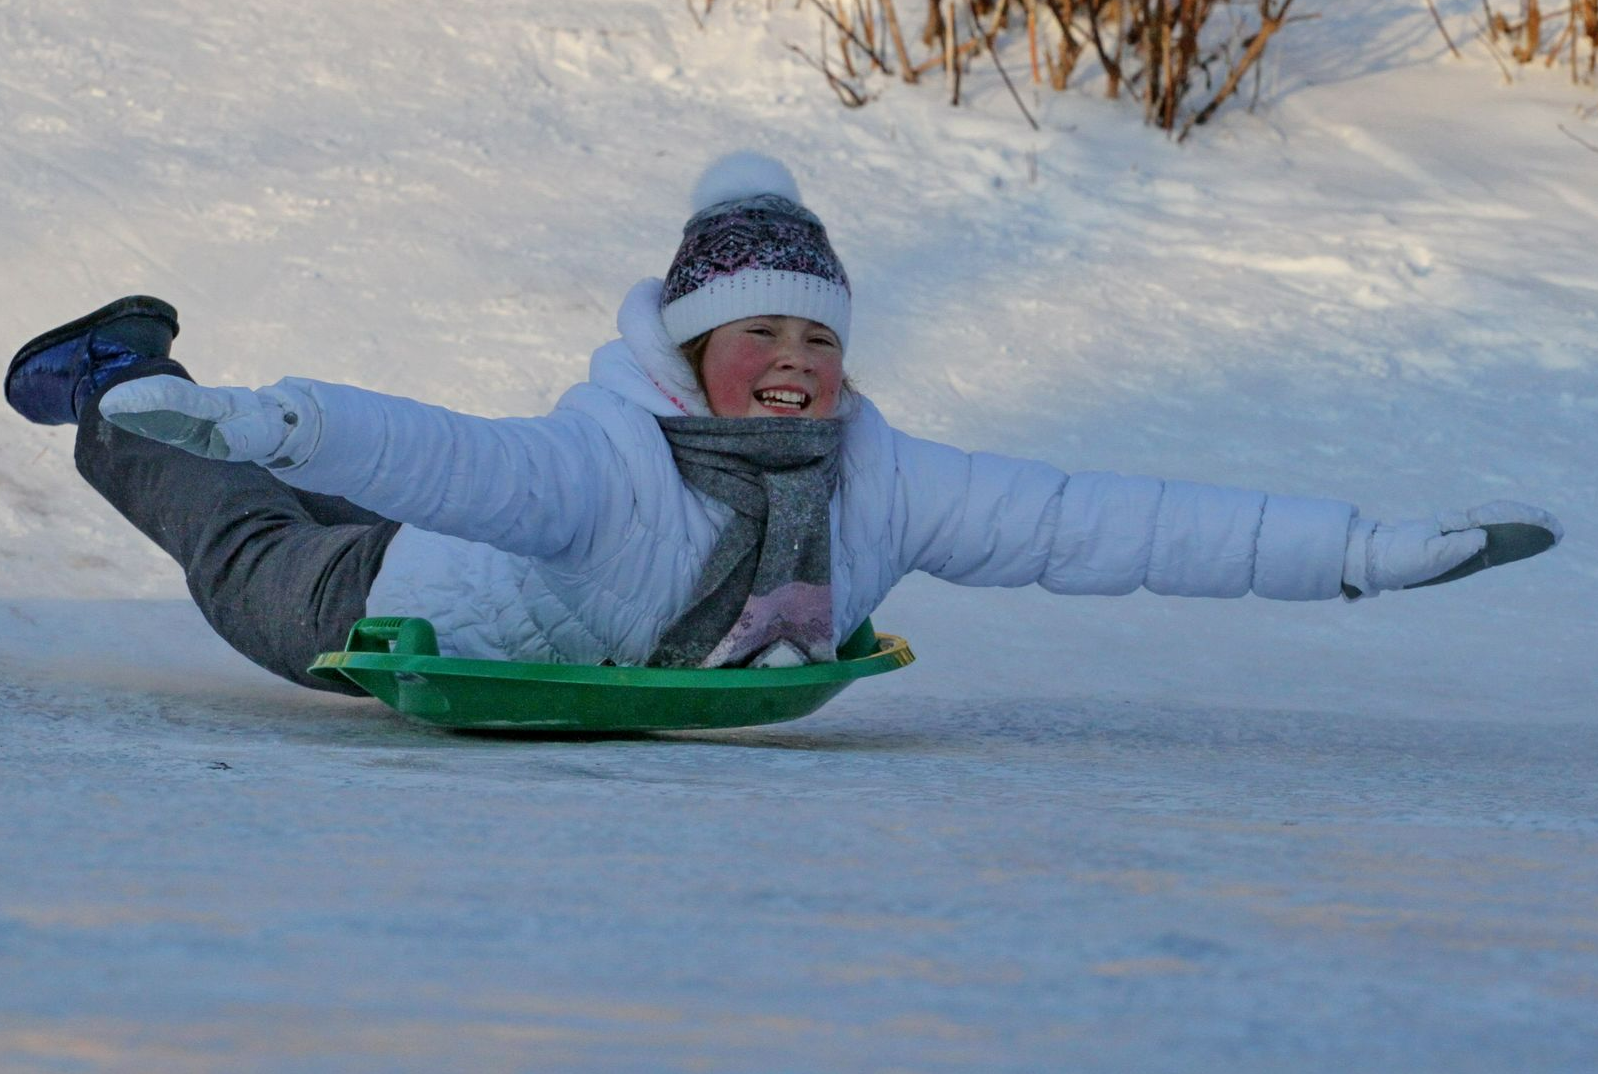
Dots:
(55, 375)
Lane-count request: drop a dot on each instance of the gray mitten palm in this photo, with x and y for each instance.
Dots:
(1407, 555)
(276, 427)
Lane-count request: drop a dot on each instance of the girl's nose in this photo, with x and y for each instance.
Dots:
(796, 359)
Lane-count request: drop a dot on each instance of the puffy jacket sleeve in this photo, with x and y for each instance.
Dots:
(981, 519)
(531, 486)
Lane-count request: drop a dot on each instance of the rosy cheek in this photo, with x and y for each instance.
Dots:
(731, 381)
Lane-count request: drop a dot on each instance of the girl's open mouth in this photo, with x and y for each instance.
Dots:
(784, 399)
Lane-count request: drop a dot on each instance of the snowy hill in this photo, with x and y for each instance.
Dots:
(1379, 286)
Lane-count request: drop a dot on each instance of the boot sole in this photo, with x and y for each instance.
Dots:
(132, 306)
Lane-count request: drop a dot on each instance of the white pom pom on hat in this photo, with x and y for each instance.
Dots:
(743, 175)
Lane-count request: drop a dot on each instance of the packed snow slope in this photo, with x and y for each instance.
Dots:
(1130, 833)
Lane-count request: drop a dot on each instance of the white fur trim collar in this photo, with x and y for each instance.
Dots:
(658, 358)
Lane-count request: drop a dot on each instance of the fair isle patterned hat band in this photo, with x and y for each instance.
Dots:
(759, 255)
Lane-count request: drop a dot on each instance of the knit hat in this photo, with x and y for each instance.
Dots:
(749, 250)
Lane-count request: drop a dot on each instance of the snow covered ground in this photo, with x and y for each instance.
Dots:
(1128, 834)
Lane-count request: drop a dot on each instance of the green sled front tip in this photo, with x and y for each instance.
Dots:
(396, 660)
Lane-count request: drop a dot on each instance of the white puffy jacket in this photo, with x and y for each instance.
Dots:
(573, 538)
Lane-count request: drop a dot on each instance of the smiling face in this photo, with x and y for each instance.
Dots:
(763, 367)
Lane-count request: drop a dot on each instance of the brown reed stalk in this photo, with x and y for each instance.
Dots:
(1442, 29)
(1032, 39)
(1270, 22)
(1005, 75)
(844, 29)
(894, 32)
(1533, 26)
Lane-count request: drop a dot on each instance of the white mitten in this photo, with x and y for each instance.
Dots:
(276, 427)
(1406, 555)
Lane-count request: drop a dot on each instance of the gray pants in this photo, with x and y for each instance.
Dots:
(280, 574)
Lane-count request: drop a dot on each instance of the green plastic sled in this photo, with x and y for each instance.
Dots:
(396, 660)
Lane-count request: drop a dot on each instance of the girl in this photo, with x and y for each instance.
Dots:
(715, 494)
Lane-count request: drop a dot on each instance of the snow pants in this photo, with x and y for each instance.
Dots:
(280, 574)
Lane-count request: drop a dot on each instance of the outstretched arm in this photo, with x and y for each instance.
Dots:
(980, 519)
(524, 485)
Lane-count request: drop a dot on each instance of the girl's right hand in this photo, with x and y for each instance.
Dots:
(277, 427)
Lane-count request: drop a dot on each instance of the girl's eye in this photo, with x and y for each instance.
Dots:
(823, 341)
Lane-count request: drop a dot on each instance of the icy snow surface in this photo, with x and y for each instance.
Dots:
(1091, 834)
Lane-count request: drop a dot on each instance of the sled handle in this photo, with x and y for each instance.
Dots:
(409, 636)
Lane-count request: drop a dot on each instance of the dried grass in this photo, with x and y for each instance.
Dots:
(1182, 60)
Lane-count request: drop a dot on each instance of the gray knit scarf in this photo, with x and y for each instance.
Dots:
(765, 597)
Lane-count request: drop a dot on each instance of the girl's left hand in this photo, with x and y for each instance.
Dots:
(1430, 551)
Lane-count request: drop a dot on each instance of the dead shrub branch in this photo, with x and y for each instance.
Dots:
(1564, 35)
(1168, 55)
